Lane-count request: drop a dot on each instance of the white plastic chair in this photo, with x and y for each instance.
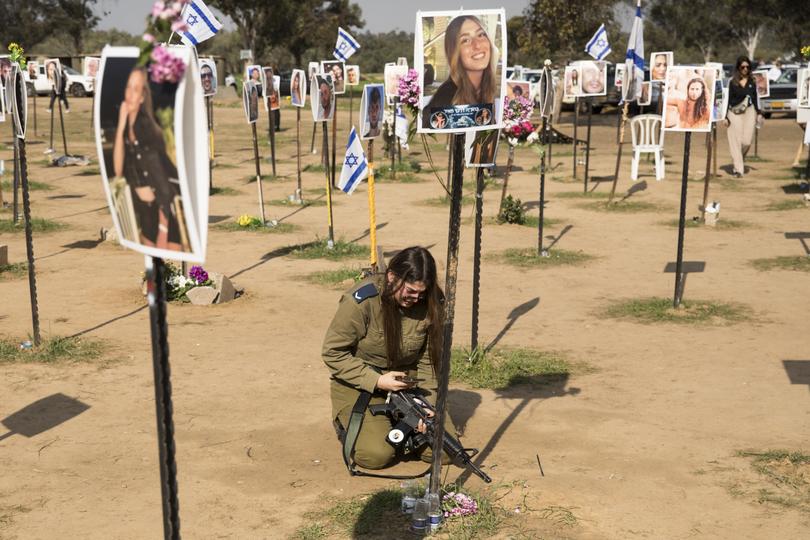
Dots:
(648, 137)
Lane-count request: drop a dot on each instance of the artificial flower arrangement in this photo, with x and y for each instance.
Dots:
(517, 128)
(17, 54)
(246, 221)
(163, 67)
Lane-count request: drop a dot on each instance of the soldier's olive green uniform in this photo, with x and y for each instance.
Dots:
(354, 351)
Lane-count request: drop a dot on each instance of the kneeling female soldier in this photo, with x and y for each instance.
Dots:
(387, 327)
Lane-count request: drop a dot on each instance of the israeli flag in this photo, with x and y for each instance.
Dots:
(355, 166)
(598, 46)
(634, 60)
(346, 45)
(201, 23)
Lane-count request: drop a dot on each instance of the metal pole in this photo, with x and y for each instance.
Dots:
(449, 311)
(258, 170)
(50, 147)
(35, 111)
(708, 174)
(394, 138)
(372, 208)
(29, 243)
(676, 301)
(331, 241)
(351, 104)
(156, 287)
(476, 285)
(15, 184)
(210, 110)
(298, 191)
(714, 150)
(312, 144)
(62, 125)
(272, 116)
(542, 197)
(588, 147)
(619, 153)
(548, 140)
(510, 160)
(576, 123)
(334, 141)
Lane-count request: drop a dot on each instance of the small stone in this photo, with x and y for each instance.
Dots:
(202, 296)
(3, 255)
(227, 291)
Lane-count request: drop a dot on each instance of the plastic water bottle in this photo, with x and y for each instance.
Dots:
(409, 488)
(419, 521)
(434, 511)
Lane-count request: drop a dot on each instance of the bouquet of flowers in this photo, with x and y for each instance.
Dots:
(458, 504)
(805, 52)
(177, 285)
(165, 17)
(516, 125)
(247, 221)
(409, 91)
(17, 54)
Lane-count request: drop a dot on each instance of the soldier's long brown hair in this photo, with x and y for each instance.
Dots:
(409, 266)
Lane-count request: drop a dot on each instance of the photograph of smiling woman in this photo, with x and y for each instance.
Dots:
(466, 53)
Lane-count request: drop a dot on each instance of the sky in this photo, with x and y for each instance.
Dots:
(380, 15)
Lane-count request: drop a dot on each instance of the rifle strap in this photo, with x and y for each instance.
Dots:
(350, 439)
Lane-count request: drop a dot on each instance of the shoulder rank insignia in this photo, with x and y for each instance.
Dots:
(366, 291)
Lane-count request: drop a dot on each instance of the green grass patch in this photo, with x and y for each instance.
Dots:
(51, 351)
(32, 186)
(757, 159)
(90, 171)
(721, 225)
(378, 515)
(336, 278)
(265, 178)
(314, 167)
(786, 475)
(622, 207)
(233, 226)
(660, 310)
(319, 249)
(794, 263)
(294, 204)
(529, 221)
(38, 225)
(13, 271)
(565, 179)
(528, 258)
(582, 195)
(498, 369)
(226, 191)
(445, 201)
(781, 206)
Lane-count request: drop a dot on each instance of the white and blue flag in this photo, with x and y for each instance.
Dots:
(355, 166)
(201, 23)
(401, 125)
(346, 45)
(634, 60)
(598, 46)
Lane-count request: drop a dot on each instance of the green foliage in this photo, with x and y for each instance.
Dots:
(379, 48)
(529, 258)
(660, 310)
(336, 278)
(319, 249)
(13, 271)
(498, 369)
(511, 211)
(789, 204)
(51, 350)
(32, 186)
(38, 225)
(787, 474)
(257, 226)
(795, 263)
(226, 191)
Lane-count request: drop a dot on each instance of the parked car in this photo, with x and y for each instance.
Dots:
(783, 94)
(77, 85)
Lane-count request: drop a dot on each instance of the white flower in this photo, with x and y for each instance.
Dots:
(532, 137)
(512, 141)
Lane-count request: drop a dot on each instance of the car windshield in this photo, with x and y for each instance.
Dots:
(788, 76)
(71, 71)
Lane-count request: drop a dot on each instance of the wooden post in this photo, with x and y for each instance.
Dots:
(676, 301)
(708, 174)
(331, 241)
(619, 153)
(372, 208)
(334, 141)
(258, 171)
(576, 123)
(298, 192)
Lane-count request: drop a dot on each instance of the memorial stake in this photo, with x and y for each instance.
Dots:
(619, 152)
(588, 144)
(331, 242)
(542, 195)
(62, 124)
(272, 133)
(372, 207)
(29, 242)
(708, 175)
(258, 171)
(676, 301)
(476, 284)
(449, 311)
(298, 192)
(576, 123)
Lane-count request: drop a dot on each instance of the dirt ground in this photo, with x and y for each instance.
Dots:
(642, 444)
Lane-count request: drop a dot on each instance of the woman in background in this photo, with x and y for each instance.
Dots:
(743, 114)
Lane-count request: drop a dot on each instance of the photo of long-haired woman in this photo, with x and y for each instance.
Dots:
(338, 70)
(139, 156)
(298, 88)
(688, 98)
(465, 52)
(254, 73)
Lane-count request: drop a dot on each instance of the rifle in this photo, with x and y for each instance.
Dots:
(406, 409)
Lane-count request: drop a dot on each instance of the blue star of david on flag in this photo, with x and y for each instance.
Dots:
(201, 23)
(355, 166)
(346, 45)
(598, 46)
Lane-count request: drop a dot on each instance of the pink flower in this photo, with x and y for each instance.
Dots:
(179, 26)
(165, 67)
(149, 38)
(158, 8)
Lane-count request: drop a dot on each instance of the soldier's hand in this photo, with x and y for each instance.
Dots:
(389, 383)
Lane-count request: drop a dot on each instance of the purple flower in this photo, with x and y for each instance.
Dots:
(198, 274)
(165, 67)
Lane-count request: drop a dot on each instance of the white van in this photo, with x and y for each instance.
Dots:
(77, 84)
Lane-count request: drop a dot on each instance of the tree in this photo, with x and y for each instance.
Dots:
(250, 17)
(562, 27)
(25, 22)
(75, 17)
(693, 23)
(792, 24)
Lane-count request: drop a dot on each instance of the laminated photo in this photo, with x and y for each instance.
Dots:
(593, 78)
(269, 87)
(518, 89)
(481, 147)
(392, 74)
(250, 101)
(720, 109)
(460, 58)
(762, 83)
(91, 66)
(618, 78)
(402, 61)
(572, 86)
(274, 93)
(689, 98)
(322, 97)
(659, 62)
(313, 68)
(255, 74)
(152, 143)
(803, 88)
(544, 91)
(352, 75)
(338, 70)
(18, 99)
(33, 70)
(371, 111)
(208, 76)
(53, 70)
(6, 79)
(646, 94)
(298, 88)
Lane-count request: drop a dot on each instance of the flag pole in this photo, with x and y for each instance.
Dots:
(331, 242)
(372, 210)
